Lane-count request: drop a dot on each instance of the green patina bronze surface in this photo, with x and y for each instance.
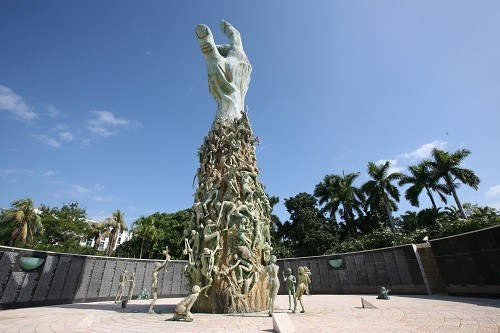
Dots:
(30, 263)
(336, 263)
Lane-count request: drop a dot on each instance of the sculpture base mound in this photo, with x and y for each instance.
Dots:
(221, 299)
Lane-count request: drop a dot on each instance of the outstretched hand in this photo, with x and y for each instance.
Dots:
(228, 69)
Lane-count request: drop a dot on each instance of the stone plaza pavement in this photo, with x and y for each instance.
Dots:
(324, 313)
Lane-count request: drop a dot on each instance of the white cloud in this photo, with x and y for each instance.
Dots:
(53, 111)
(393, 166)
(100, 198)
(495, 205)
(15, 171)
(61, 127)
(12, 176)
(66, 136)
(107, 118)
(99, 215)
(424, 151)
(89, 193)
(493, 192)
(47, 140)
(79, 190)
(49, 173)
(101, 131)
(105, 124)
(15, 106)
(98, 187)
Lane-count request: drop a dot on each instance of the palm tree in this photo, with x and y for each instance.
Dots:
(118, 224)
(421, 178)
(336, 191)
(28, 222)
(380, 190)
(145, 227)
(447, 166)
(99, 231)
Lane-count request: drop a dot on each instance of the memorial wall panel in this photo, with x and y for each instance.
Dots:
(334, 280)
(344, 284)
(147, 272)
(45, 280)
(7, 261)
(144, 281)
(88, 267)
(470, 263)
(321, 270)
(352, 273)
(59, 278)
(107, 279)
(73, 278)
(177, 285)
(361, 269)
(96, 279)
(28, 287)
(371, 270)
(13, 287)
(131, 268)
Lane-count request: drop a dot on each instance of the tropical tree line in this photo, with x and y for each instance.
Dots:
(346, 217)
(153, 233)
(64, 229)
(338, 216)
(67, 229)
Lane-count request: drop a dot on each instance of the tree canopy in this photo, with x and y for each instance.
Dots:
(24, 220)
(153, 233)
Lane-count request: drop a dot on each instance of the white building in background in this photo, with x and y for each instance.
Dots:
(123, 236)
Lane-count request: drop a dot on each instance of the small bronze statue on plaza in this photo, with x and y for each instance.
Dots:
(309, 274)
(121, 286)
(131, 286)
(290, 282)
(274, 282)
(384, 293)
(183, 308)
(302, 286)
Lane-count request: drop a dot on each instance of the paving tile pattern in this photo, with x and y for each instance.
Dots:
(324, 313)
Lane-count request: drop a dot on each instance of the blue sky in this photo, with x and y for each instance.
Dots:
(106, 102)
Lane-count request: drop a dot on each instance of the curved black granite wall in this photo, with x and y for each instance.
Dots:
(65, 278)
(469, 265)
(396, 268)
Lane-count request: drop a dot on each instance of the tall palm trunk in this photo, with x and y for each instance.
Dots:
(455, 196)
(142, 246)
(97, 241)
(431, 197)
(389, 214)
(348, 223)
(112, 240)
